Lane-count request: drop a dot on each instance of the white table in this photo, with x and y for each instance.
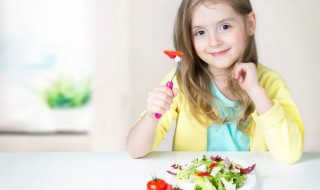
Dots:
(116, 170)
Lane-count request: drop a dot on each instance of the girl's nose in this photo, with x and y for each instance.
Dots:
(214, 41)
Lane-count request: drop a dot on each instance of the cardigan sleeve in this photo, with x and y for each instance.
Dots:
(281, 126)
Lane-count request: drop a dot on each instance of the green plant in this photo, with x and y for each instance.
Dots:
(67, 93)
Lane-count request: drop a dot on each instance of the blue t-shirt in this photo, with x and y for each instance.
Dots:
(226, 137)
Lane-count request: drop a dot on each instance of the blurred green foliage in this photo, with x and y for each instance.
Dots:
(68, 93)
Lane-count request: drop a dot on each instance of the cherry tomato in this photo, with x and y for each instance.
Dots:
(156, 184)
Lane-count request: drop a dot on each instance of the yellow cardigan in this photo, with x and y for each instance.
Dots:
(280, 130)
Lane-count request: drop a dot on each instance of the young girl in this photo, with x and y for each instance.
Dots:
(224, 99)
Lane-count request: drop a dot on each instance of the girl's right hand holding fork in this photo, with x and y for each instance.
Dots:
(159, 100)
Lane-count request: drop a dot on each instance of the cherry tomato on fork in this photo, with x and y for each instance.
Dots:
(156, 184)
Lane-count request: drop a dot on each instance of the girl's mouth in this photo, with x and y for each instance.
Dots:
(216, 54)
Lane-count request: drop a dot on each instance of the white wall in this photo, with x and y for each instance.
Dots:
(288, 41)
(132, 34)
(113, 83)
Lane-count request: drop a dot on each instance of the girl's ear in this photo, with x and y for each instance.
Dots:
(251, 23)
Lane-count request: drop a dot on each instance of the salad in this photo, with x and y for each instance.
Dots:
(211, 173)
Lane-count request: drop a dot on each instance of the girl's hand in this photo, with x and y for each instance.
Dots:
(160, 99)
(246, 75)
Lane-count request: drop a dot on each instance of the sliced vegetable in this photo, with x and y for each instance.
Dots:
(203, 174)
(172, 173)
(176, 166)
(216, 158)
(212, 166)
(247, 170)
(173, 54)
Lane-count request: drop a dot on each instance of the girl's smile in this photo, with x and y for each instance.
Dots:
(219, 53)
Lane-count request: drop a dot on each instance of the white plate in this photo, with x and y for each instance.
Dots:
(249, 184)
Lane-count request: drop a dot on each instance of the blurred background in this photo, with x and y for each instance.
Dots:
(75, 74)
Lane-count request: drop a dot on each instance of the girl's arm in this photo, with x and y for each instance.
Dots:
(281, 126)
(260, 99)
(141, 137)
(276, 114)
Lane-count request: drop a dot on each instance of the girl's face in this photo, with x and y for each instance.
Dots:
(219, 35)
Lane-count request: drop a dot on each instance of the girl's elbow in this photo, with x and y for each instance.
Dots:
(290, 156)
(134, 156)
(135, 153)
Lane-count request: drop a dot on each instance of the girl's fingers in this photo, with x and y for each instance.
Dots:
(164, 93)
(246, 75)
(165, 90)
(159, 103)
(175, 92)
(236, 72)
(240, 71)
(241, 79)
(236, 76)
(241, 76)
(157, 106)
(155, 109)
(160, 99)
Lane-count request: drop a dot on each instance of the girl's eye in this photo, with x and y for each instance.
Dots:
(199, 33)
(224, 27)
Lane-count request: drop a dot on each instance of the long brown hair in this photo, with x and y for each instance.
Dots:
(194, 76)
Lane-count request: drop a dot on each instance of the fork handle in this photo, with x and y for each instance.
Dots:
(169, 85)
